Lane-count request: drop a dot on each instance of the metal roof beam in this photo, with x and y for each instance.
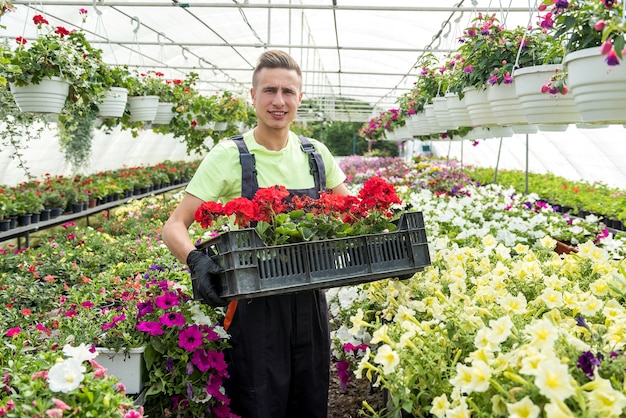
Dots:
(256, 45)
(380, 8)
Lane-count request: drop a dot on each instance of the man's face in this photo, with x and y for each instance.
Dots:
(276, 96)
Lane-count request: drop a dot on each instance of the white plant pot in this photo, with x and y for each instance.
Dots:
(444, 119)
(478, 107)
(220, 126)
(143, 108)
(598, 89)
(458, 110)
(433, 123)
(541, 108)
(46, 97)
(114, 103)
(505, 105)
(128, 367)
(164, 113)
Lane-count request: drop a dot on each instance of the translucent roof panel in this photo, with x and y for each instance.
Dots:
(363, 50)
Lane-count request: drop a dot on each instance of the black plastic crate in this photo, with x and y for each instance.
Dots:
(253, 269)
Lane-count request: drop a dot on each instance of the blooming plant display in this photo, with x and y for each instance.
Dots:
(56, 384)
(281, 221)
(184, 357)
(586, 24)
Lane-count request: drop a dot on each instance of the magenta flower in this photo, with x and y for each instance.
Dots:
(190, 338)
(606, 47)
(172, 319)
(166, 301)
(507, 79)
(493, 79)
(153, 328)
(611, 58)
(206, 360)
(144, 308)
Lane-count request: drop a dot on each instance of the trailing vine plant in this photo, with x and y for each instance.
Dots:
(18, 128)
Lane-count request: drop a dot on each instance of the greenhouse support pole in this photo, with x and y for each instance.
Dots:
(527, 146)
(462, 142)
(495, 172)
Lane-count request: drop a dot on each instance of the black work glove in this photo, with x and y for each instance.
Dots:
(205, 279)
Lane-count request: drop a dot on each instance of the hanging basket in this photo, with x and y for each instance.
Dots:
(478, 107)
(597, 88)
(220, 126)
(114, 103)
(541, 108)
(444, 119)
(164, 114)
(46, 97)
(458, 110)
(143, 108)
(505, 105)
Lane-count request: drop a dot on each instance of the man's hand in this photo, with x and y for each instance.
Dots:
(204, 273)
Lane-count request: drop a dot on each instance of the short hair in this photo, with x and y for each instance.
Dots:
(275, 59)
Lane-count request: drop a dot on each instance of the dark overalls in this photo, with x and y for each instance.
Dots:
(280, 344)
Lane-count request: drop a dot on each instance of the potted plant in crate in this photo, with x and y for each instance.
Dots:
(330, 233)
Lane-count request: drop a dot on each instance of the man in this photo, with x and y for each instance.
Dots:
(280, 356)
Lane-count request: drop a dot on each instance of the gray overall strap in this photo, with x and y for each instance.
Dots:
(315, 163)
(249, 183)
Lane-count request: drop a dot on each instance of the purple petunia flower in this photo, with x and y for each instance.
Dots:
(153, 328)
(587, 362)
(172, 319)
(190, 338)
(166, 301)
(144, 308)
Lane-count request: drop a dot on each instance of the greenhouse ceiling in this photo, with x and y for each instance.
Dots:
(361, 51)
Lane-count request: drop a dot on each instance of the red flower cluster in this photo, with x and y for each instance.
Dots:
(376, 196)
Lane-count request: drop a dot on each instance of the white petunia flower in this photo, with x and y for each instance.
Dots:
(604, 400)
(66, 375)
(523, 409)
(80, 353)
(440, 405)
(500, 329)
(386, 357)
(554, 381)
(542, 333)
(557, 410)
(514, 304)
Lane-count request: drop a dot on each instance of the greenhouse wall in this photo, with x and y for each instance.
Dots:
(591, 155)
(109, 151)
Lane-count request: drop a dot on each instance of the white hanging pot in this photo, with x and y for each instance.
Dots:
(505, 105)
(164, 113)
(429, 111)
(458, 110)
(478, 107)
(220, 126)
(46, 97)
(444, 119)
(114, 103)
(542, 108)
(598, 89)
(143, 108)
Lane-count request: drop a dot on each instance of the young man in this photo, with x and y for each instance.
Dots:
(280, 355)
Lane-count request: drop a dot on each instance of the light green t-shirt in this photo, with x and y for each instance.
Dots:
(218, 177)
